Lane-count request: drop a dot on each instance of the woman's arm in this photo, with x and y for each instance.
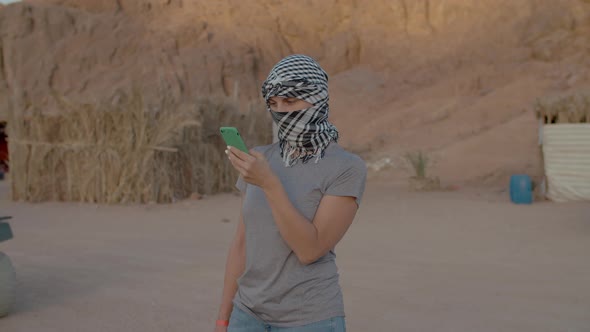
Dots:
(234, 267)
(309, 239)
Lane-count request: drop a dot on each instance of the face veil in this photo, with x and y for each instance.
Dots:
(303, 134)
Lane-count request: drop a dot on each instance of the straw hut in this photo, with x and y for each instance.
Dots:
(128, 151)
(564, 136)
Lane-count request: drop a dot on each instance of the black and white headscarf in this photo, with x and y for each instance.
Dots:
(303, 134)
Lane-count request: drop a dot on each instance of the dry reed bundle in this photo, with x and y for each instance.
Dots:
(129, 152)
(570, 108)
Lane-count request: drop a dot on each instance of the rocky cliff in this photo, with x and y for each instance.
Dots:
(455, 78)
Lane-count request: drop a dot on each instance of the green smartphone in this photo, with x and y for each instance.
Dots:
(232, 137)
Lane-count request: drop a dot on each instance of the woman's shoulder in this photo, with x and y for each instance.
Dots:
(266, 148)
(347, 159)
(336, 151)
(346, 173)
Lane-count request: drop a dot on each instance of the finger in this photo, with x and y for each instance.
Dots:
(243, 163)
(240, 154)
(240, 169)
(237, 167)
(238, 163)
(256, 154)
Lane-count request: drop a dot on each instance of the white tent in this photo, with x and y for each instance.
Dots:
(566, 150)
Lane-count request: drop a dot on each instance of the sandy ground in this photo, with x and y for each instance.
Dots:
(460, 261)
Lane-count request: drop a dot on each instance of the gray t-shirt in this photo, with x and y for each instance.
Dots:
(275, 287)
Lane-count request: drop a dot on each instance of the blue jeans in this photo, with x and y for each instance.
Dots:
(242, 322)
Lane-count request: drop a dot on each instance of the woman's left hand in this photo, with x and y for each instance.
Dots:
(253, 167)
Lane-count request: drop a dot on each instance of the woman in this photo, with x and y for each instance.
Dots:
(299, 196)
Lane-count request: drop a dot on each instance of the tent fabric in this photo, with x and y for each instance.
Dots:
(566, 150)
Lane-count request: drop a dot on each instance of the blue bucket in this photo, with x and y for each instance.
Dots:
(521, 189)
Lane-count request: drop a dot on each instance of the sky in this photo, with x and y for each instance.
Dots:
(8, 1)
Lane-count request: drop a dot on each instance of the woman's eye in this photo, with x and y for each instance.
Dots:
(291, 101)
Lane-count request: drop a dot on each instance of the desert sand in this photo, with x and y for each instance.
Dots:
(467, 260)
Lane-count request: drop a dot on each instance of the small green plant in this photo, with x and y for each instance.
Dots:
(419, 161)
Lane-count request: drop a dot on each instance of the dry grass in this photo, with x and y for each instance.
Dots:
(570, 108)
(129, 152)
(419, 162)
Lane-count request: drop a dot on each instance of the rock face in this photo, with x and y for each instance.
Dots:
(452, 77)
(90, 56)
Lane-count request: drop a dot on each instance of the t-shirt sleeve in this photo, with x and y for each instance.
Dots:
(350, 182)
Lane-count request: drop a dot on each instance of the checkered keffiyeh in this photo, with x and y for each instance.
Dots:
(303, 134)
